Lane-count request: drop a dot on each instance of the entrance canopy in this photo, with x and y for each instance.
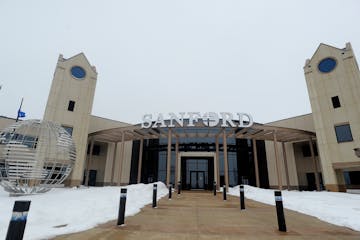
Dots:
(199, 130)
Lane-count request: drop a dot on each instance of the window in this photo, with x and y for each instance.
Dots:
(336, 102)
(343, 133)
(96, 150)
(68, 129)
(71, 105)
(306, 151)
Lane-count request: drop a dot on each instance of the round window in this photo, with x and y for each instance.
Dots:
(78, 72)
(327, 65)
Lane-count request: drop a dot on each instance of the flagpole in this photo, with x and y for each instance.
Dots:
(17, 117)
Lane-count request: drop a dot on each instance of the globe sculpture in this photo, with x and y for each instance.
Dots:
(35, 156)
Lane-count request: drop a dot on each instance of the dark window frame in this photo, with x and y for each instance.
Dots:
(95, 151)
(67, 128)
(71, 105)
(306, 150)
(335, 102)
(340, 138)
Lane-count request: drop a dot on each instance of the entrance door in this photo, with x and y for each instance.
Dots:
(197, 173)
(197, 179)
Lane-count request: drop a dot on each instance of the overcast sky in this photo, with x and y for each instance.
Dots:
(172, 56)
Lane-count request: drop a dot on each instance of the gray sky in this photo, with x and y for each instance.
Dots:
(172, 56)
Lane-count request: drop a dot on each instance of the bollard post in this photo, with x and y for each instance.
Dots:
(121, 216)
(214, 188)
(224, 192)
(179, 187)
(170, 192)
(154, 196)
(280, 211)
(18, 220)
(242, 197)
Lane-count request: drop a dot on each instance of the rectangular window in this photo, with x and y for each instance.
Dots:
(343, 133)
(71, 106)
(306, 151)
(96, 150)
(68, 129)
(335, 102)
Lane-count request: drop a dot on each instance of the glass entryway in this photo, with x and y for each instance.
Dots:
(197, 173)
(197, 179)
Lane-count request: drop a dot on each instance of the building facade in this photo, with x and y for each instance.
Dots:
(309, 152)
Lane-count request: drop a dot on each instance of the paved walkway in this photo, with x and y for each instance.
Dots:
(200, 215)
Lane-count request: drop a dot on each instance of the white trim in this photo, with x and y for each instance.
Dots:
(196, 154)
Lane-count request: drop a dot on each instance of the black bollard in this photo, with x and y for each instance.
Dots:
(242, 198)
(224, 192)
(214, 188)
(154, 195)
(179, 187)
(121, 217)
(18, 220)
(170, 192)
(280, 211)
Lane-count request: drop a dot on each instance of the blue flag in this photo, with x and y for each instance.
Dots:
(21, 114)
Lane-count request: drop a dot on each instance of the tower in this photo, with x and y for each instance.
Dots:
(70, 103)
(333, 82)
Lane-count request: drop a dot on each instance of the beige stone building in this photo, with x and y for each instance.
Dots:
(308, 152)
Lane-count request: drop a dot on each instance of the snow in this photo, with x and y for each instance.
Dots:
(342, 209)
(77, 208)
(83, 208)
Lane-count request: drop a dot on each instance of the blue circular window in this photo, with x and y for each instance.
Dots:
(327, 65)
(78, 72)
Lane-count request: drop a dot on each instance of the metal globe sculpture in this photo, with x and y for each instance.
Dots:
(35, 155)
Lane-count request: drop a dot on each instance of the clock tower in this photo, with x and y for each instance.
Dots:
(333, 80)
(70, 104)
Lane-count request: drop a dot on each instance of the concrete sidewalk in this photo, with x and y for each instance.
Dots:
(200, 215)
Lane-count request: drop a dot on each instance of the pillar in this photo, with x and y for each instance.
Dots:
(176, 163)
(218, 163)
(140, 160)
(286, 166)
(256, 163)
(168, 164)
(112, 180)
(89, 163)
(121, 156)
(226, 166)
(278, 166)
(316, 172)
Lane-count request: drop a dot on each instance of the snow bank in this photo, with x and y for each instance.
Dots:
(341, 209)
(78, 209)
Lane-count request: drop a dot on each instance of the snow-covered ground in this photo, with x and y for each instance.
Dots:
(77, 209)
(67, 210)
(341, 209)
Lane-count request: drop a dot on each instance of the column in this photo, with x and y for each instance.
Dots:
(218, 163)
(122, 151)
(89, 163)
(140, 160)
(278, 166)
(226, 166)
(168, 164)
(256, 163)
(176, 162)
(112, 180)
(316, 172)
(286, 166)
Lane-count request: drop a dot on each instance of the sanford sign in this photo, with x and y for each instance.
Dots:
(208, 119)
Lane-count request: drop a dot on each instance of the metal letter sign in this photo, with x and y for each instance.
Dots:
(208, 119)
